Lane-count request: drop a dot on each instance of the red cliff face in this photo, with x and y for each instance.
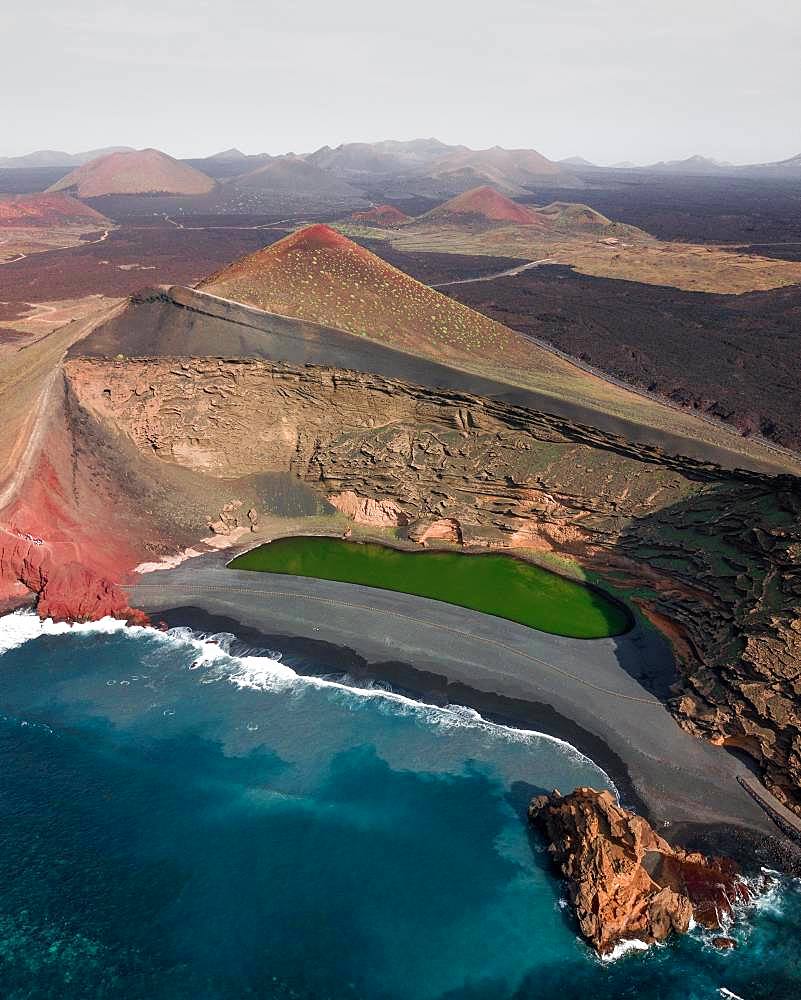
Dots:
(65, 591)
(66, 538)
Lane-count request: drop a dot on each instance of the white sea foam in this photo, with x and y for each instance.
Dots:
(624, 948)
(22, 626)
(768, 898)
(17, 628)
(261, 672)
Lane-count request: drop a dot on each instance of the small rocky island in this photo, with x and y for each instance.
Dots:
(626, 883)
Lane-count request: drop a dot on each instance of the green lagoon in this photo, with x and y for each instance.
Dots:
(495, 584)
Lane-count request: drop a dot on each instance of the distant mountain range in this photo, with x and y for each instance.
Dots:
(352, 176)
(430, 168)
(57, 158)
(692, 165)
(355, 160)
(292, 174)
(427, 167)
(577, 161)
(789, 169)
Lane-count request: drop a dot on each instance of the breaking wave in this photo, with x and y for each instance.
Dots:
(262, 670)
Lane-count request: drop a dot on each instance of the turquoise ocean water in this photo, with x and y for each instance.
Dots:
(178, 822)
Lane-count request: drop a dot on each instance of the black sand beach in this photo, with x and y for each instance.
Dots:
(597, 695)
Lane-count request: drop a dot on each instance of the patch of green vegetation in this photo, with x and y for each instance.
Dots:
(494, 584)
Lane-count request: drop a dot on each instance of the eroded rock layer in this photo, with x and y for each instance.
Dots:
(712, 557)
(625, 881)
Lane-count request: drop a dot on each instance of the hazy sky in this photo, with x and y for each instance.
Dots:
(619, 79)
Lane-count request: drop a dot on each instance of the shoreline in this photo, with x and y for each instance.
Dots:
(690, 791)
(423, 686)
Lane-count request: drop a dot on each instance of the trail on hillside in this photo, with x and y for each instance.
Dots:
(262, 225)
(511, 272)
(70, 246)
(31, 435)
(34, 432)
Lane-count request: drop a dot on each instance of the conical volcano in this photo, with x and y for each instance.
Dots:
(142, 171)
(484, 205)
(318, 274)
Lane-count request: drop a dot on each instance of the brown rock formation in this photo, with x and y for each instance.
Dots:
(625, 881)
(228, 519)
(365, 510)
(441, 529)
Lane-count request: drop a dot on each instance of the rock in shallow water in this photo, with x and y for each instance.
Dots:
(625, 881)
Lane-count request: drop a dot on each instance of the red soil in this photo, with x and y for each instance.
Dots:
(382, 215)
(46, 209)
(143, 171)
(51, 554)
(66, 539)
(316, 237)
(487, 204)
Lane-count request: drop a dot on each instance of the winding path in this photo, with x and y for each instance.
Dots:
(32, 434)
(511, 272)
(263, 225)
(70, 246)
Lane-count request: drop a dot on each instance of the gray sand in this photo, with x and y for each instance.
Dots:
(596, 684)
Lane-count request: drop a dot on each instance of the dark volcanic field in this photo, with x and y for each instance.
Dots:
(24, 180)
(433, 268)
(696, 209)
(137, 254)
(152, 252)
(736, 357)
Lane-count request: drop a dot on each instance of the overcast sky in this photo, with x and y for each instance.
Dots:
(638, 80)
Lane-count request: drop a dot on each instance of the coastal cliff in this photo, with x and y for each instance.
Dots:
(712, 557)
(63, 590)
(145, 454)
(626, 883)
